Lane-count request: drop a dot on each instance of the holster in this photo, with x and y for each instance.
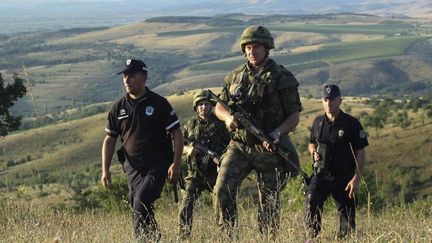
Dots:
(122, 156)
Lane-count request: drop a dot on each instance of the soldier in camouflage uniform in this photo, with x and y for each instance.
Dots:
(269, 93)
(210, 132)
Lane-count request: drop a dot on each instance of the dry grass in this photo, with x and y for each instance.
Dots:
(121, 32)
(23, 223)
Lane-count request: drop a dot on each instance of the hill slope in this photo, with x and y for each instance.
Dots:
(73, 68)
(397, 159)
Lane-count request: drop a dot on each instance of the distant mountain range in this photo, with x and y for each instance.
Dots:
(35, 15)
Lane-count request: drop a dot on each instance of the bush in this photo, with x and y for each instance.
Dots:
(109, 200)
(10, 163)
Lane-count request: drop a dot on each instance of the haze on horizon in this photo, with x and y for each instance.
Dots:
(48, 15)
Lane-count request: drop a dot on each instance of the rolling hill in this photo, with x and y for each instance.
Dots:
(75, 67)
(30, 15)
(397, 158)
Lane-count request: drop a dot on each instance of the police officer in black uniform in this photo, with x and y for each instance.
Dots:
(145, 123)
(337, 145)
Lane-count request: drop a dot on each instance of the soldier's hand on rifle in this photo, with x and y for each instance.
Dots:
(268, 147)
(106, 179)
(231, 123)
(275, 135)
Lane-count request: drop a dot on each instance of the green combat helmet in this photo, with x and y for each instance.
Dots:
(202, 95)
(257, 34)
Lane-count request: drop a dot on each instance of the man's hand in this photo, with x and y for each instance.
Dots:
(352, 186)
(174, 172)
(106, 179)
(316, 156)
(231, 123)
(275, 136)
(268, 147)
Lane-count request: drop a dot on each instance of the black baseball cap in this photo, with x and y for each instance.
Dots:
(133, 66)
(330, 91)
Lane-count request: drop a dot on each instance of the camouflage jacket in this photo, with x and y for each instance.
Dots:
(270, 96)
(212, 134)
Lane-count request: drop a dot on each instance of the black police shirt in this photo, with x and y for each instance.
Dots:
(338, 136)
(143, 124)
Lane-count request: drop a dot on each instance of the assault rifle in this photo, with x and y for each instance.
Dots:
(245, 121)
(202, 149)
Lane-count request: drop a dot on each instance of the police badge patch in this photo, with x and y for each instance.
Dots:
(362, 134)
(341, 133)
(149, 110)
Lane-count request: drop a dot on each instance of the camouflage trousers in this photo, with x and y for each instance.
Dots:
(195, 185)
(238, 161)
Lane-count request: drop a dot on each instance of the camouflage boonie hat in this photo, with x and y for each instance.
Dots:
(257, 34)
(202, 95)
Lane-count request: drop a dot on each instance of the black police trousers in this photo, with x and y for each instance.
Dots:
(317, 192)
(145, 184)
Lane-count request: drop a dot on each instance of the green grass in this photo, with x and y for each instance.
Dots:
(333, 53)
(72, 145)
(350, 51)
(395, 155)
(201, 31)
(375, 29)
(76, 145)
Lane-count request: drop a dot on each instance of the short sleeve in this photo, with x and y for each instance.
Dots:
(111, 128)
(312, 138)
(288, 93)
(359, 136)
(169, 117)
(290, 100)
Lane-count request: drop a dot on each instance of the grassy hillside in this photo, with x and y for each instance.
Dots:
(397, 158)
(71, 146)
(333, 53)
(375, 29)
(50, 163)
(75, 67)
